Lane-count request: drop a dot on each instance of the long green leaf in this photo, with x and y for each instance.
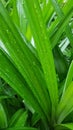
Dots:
(14, 13)
(10, 74)
(3, 117)
(69, 77)
(68, 6)
(61, 15)
(67, 126)
(19, 118)
(66, 104)
(23, 59)
(47, 11)
(35, 119)
(62, 25)
(43, 48)
(21, 16)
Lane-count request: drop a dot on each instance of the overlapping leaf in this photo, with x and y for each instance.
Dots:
(23, 59)
(69, 77)
(65, 106)
(43, 46)
(19, 118)
(61, 15)
(68, 126)
(3, 117)
(10, 74)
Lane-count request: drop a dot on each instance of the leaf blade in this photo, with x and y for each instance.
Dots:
(27, 66)
(43, 47)
(65, 105)
(11, 75)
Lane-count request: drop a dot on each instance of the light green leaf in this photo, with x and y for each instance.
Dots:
(62, 25)
(47, 11)
(69, 77)
(43, 47)
(3, 117)
(21, 16)
(11, 75)
(65, 106)
(68, 126)
(23, 59)
(19, 118)
(61, 16)
(12, 10)
(68, 6)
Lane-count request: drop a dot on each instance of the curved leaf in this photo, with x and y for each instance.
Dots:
(69, 77)
(43, 47)
(19, 118)
(3, 117)
(23, 59)
(11, 75)
(68, 126)
(65, 106)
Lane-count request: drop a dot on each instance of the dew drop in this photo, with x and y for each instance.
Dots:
(35, 6)
(7, 31)
(34, 63)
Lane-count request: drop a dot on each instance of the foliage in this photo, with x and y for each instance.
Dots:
(36, 64)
